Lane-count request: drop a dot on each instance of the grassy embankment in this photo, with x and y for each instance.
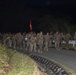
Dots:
(15, 63)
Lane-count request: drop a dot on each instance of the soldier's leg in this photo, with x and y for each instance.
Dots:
(10, 43)
(14, 45)
(35, 47)
(58, 45)
(20, 45)
(24, 44)
(41, 46)
(4, 42)
(67, 45)
(55, 44)
(46, 46)
(27, 45)
(31, 47)
(50, 43)
(75, 45)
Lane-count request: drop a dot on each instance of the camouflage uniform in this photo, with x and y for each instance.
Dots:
(5, 39)
(51, 39)
(40, 42)
(67, 38)
(9, 41)
(33, 43)
(14, 41)
(37, 41)
(61, 39)
(57, 38)
(46, 41)
(19, 40)
(75, 40)
(28, 41)
(24, 41)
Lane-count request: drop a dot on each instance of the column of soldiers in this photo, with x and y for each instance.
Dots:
(36, 42)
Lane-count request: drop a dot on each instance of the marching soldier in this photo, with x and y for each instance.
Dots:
(57, 39)
(37, 41)
(24, 41)
(40, 42)
(51, 39)
(33, 43)
(5, 41)
(46, 41)
(28, 41)
(75, 40)
(61, 39)
(14, 41)
(19, 40)
(67, 38)
(9, 41)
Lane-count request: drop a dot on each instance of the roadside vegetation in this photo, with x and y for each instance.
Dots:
(15, 63)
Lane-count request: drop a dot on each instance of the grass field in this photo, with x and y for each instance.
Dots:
(15, 63)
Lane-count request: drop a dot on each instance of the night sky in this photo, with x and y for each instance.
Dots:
(51, 2)
(15, 15)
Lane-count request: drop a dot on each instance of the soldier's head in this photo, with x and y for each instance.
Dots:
(41, 33)
(47, 33)
(61, 33)
(75, 33)
(57, 32)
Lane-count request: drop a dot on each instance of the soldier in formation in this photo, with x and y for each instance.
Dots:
(75, 40)
(36, 42)
(67, 38)
(32, 43)
(46, 41)
(40, 41)
(57, 39)
(50, 39)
